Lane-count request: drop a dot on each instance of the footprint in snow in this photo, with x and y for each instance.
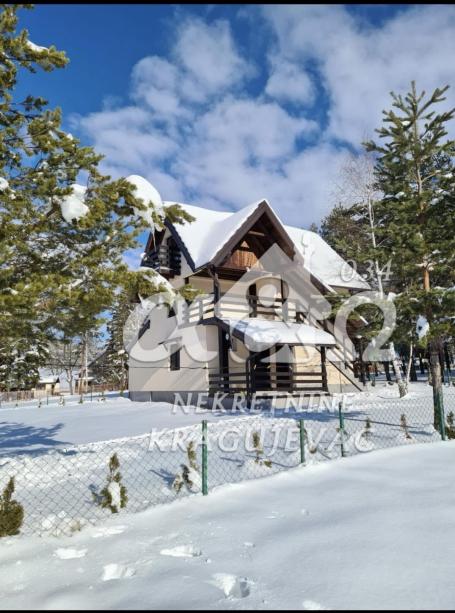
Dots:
(117, 571)
(182, 551)
(232, 586)
(311, 605)
(274, 516)
(100, 532)
(68, 553)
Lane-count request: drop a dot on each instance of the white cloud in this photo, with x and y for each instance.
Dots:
(208, 55)
(155, 82)
(359, 65)
(198, 134)
(288, 82)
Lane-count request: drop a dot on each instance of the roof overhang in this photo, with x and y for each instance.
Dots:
(259, 334)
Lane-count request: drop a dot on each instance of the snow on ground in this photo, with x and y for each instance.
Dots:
(372, 531)
(28, 427)
(58, 456)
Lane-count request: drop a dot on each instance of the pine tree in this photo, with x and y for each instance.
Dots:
(416, 216)
(351, 229)
(367, 428)
(450, 426)
(190, 473)
(259, 459)
(114, 495)
(404, 425)
(11, 512)
(345, 230)
(112, 367)
(19, 363)
(64, 226)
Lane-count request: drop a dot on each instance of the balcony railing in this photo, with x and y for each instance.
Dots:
(164, 259)
(293, 382)
(232, 307)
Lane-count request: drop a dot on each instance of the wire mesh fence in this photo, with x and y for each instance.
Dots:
(64, 489)
(42, 397)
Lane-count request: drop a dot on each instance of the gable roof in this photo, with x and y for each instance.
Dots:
(205, 238)
(324, 262)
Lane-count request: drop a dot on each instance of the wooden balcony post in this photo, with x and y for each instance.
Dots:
(284, 304)
(324, 370)
(216, 292)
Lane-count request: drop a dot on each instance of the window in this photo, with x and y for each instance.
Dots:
(174, 357)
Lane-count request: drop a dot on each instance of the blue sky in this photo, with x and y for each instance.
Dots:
(223, 105)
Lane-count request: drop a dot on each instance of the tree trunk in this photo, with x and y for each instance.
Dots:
(422, 368)
(436, 380)
(69, 375)
(413, 368)
(409, 364)
(396, 368)
(447, 357)
(387, 371)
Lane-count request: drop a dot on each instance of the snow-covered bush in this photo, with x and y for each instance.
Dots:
(11, 512)
(367, 432)
(450, 426)
(190, 475)
(114, 495)
(259, 459)
(404, 425)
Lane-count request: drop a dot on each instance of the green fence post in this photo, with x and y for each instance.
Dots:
(341, 420)
(440, 408)
(204, 458)
(302, 440)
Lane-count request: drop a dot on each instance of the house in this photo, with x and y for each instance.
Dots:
(261, 324)
(47, 385)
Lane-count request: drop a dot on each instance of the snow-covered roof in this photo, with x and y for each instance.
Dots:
(204, 237)
(259, 334)
(323, 261)
(46, 380)
(46, 376)
(210, 231)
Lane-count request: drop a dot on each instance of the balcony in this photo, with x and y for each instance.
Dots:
(232, 307)
(260, 380)
(165, 259)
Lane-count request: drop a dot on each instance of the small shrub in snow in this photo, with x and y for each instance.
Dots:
(114, 495)
(259, 459)
(404, 425)
(367, 428)
(11, 512)
(190, 474)
(450, 428)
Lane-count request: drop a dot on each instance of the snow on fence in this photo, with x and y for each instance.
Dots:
(65, 489)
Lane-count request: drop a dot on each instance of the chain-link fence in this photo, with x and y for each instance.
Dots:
(65, 489)
(42, 397)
